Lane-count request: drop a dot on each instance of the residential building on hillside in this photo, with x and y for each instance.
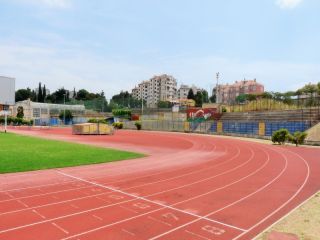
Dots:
(228, 93)
(158, 88)
(183, 91)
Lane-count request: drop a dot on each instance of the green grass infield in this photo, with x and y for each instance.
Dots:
(22, 153)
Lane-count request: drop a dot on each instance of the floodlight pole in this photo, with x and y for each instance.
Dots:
(5, 121)
(64, 109)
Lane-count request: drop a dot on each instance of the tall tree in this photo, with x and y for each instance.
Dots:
(191, 94)
(199, 99)
(23, 94)
(44, 93)
(40, 96)
(205, 96)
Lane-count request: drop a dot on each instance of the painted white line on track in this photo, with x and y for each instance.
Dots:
(286, 203)
(61, 217)
(36, 212)
(60, 228)
(208, 215)
(157, 220)
(197, 235)
(89, 196)
(111, 206)
(150, 201)
(126, 231)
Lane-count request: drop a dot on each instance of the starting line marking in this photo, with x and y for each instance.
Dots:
(197, 235)
(150, 201)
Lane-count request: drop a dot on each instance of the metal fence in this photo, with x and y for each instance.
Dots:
(241, 128)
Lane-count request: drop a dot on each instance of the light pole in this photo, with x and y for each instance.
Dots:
(217, 87)
(64, 109)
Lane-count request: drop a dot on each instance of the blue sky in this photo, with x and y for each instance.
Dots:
(113, 45)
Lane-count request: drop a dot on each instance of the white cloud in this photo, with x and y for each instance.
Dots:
(73, 67)
(288, 4)
(62, 4)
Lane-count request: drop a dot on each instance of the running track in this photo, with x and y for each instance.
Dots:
(189, 187)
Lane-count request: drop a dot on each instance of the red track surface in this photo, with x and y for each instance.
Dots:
(189, 187)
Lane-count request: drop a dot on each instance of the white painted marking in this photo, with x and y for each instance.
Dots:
(286, 203)
(74, 206)
(213, 230)
(160, 221)
(141, 205)
(95, 216)
(60, 228)
(197, 235)
(170, 216)
(117, 197)
(126, 231)
(129, 209)
(36, 212)
(22, 203)
(42, 194)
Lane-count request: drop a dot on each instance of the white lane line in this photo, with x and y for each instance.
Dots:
(129, 209)
(97, 217)
(32, 224)
(60, 228)
(39, 214)
(42, 194)
(126, 231)
(13, 198)
(44, 185)
(25, 205)
(160, 221)
(235, 202)
(52, 204)
(74, 199)
(150, 201)
(286, 203)
(197, 235)
(74, 206)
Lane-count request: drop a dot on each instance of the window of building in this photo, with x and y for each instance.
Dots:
(36, 112)
(44, 111)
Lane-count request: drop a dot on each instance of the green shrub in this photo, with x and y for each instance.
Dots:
(280, 136)
(121, 112)
(16, 121)
(94, 120)
(298, 138)
(138, 125)
(118, 125)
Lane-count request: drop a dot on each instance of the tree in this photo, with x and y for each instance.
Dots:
(280, 136)
(213, 98)
(199, 99)
(39, 96)
(164, 104)
(23, 94)
(205, 96)
(59, 96)
(266, 95)
(298, 138)
(20, 113)
(66, 115)
(241, 98)
(191, 94)
(44, 93)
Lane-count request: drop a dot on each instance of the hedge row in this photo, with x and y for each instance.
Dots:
(16, 121)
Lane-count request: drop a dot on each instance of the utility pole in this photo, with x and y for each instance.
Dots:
(217, 87)
(64, 109)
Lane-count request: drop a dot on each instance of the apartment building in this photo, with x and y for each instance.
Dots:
(227, 93)
(158, 88)
(183, 91)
